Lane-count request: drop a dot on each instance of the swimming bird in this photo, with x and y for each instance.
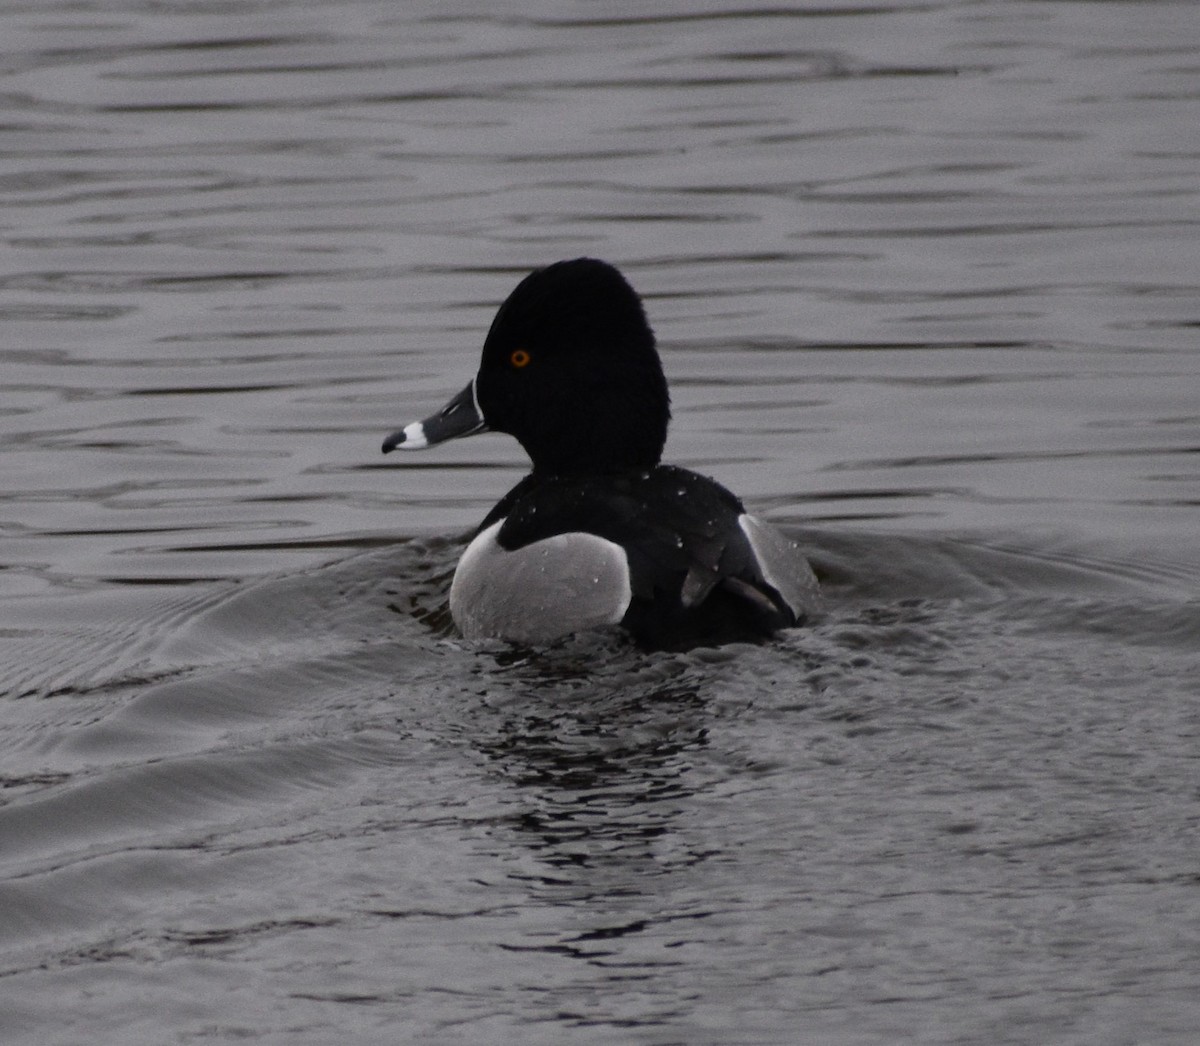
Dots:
(600, 533)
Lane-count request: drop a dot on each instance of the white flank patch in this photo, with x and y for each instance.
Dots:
(556, 586)
(783, 565)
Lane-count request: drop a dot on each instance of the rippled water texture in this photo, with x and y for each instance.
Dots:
(925, 277)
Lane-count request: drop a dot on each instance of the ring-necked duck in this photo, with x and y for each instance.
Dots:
(600, 533)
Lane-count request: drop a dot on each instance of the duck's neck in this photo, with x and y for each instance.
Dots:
(602, 461)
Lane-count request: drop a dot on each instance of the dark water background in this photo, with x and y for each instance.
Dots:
(926, 277)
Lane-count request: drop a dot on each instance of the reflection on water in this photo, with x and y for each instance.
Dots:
(921, 275)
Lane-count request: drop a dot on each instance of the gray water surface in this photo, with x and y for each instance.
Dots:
(925, 279)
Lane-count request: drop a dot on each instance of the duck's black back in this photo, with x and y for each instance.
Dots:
(693, 572)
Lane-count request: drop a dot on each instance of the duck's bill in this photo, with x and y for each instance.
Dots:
(459, 417)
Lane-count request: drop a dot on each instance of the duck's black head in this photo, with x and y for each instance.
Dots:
(570, 369)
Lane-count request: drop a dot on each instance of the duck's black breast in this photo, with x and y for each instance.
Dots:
(693, 570)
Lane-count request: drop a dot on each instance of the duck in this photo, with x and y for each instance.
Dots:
(601, 533)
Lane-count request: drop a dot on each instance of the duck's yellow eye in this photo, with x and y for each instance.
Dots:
(520, 358)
